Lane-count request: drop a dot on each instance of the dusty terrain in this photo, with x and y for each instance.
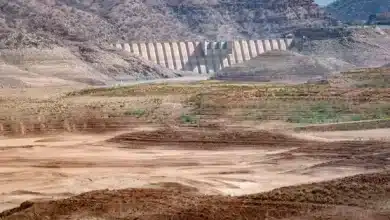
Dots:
(363, 47)
(192, 161)
(187, 150)
(75, 66)
(339, 199)
(324, 53)
(283, 66)
(198, 150)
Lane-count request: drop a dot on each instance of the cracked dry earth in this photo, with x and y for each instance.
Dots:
(210, 162)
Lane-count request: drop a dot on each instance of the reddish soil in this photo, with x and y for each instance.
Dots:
(347, 126)
(348, 198)
(367, 154)
(364, 196)
(209, 138)
(93, 124)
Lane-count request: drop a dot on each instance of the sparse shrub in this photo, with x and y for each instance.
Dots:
(197, 102)
(382, 112)
(189, 119)
(356, 118)
(138, 113)
(321, 112)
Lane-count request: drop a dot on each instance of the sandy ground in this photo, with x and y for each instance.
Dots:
(55, 91)
(369, 134)
(64, 165)
(183, 79)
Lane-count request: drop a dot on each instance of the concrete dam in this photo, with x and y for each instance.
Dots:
(203, 57)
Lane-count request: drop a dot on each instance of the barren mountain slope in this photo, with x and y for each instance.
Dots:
(283, 66)
(368, 47)
(250, 18)
(51, 43)
(350, 10)
(33, 61)
(321, 52)
(113, 20)
(72, 25)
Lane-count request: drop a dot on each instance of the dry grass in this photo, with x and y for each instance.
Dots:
(368, 78)
(198, 104)
(192, 104)
(25, 116)
(108, 109)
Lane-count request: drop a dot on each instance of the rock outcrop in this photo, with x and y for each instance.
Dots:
(357, 10)
(130, 20)
(83, 29)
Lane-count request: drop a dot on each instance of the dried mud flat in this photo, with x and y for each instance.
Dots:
(194, 174)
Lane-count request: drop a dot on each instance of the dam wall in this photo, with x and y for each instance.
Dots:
(203, 57)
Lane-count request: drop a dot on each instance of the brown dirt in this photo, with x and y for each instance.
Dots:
(370, 154)
(88, 124)
(357, 135)
(361, 190)
(193, 137)
(362, 193)
(62, 165)
(347, 126)
(367, 154)
(78, 66)
(204, 104)
(282, 66)
(193, 169)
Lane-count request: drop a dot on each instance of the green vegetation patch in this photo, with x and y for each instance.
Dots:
(304, 103)
(320, 112)
(137, 112)
(192, 88)
(189, 119)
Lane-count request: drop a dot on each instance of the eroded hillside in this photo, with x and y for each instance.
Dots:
(354, 10)
(109, 20)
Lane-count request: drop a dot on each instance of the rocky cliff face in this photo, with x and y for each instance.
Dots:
(248, 19)
(145, 20)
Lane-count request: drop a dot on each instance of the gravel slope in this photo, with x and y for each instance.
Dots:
(283, 66)
(363, 47)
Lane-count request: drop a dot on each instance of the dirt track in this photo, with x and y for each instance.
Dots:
(227, 163)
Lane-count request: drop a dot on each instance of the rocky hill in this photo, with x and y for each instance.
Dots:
(113, 20)
(355, 10)
(74, 66)
(283, 66)
(363, 47)
(76, 33)
(322, 53)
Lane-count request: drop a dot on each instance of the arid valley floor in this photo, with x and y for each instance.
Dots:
(201, 150)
